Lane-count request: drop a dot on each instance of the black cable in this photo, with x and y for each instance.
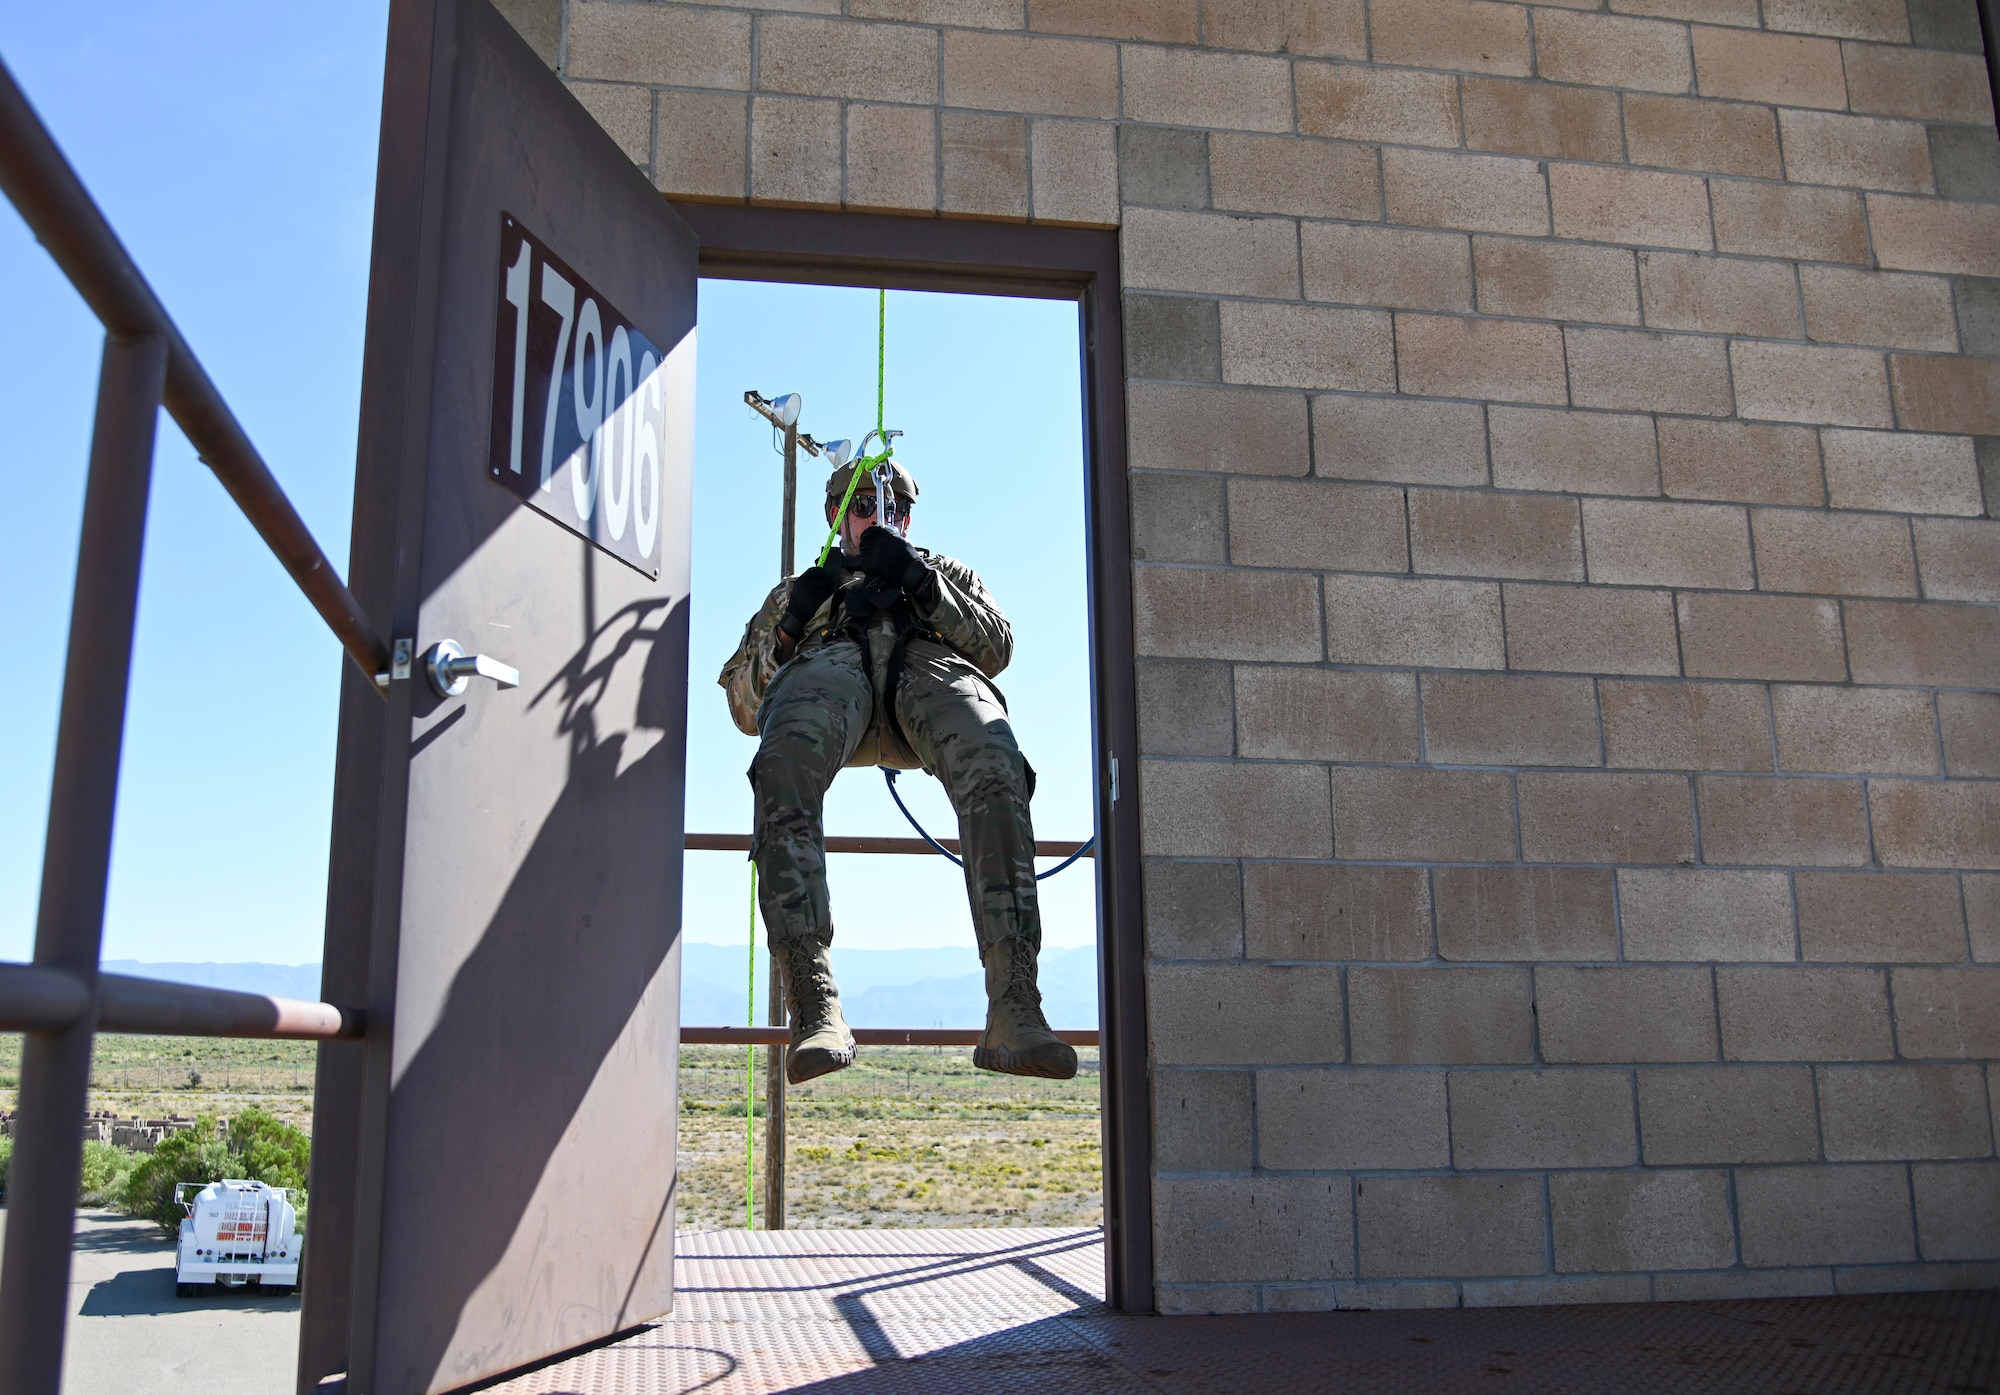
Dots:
(889, 778)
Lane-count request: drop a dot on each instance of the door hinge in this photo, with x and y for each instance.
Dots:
(1114, 779)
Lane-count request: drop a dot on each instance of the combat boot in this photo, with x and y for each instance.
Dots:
(821, 1043)
(1017, 1039)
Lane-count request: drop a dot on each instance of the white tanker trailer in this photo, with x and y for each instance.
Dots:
(237, 1233)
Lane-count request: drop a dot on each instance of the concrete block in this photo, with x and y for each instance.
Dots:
(891, 158)
(1960, 558)
(1638, 543)
(1177, 518)
(1430, 1227)
(1244, 1014)
(1309, 910)
(1721, 295)
(1901, 471)
(1385, 813)
(1703, 915)
(1958, 1209)
(1370, 1297)
(1307, 346)
(1216, 809)
(1020, 73)
(1923, 823)
(1253, 1228)
(1555, 280)
(1201, 1300)
(1788, 382)
(1781, 637)
(1217, 614)
(1729, 1284)
(1550, 1292)
(1221, 91)
(1773, 822)
(1576, 629)
(1325, 714)
(1525, 913)
(1982, 915)
(1788, 220)
(1848, 19)
(1194, 910)
(1202, 1121)
(1948, 1014)
(1361, 1120)
(1423, 624)
(1845, 554)
(1315, 28)
(1212, 253)
(1741, 463)
(1172, 337)
(1377, 104)
(1736, 12)
(1875, 731)
(1965, 161)
(1610, 1221)
(795, 152)
(1946, 24)
(1431, 1016)
(1493, 719)
(1604, 50)
(1867, 152)
(1460, 533)
(1914, 234)
(1880, 917)
(1298, 1298)
(973, 14)
(1773, 68)
(1633, 370)
(1848, 306)
(1915, 1278)
(1392, 438)
(806, 56)
(1824, 1215)
(1475, 193)
(984, 165)
(1687, 133)
(1163, 166)
(1727, 1114)
(1606, 203)
(1537, 1118)
(1280, 174)
(1396, 267)
(1803, 1014)
(1311, 523)
(700, 144)
(1537, 118)
(1926, 644)
(1500, 360)
(1685, 726)
(1611, 1016)
(1074, 178)
(1166, 22)
(1609, 817)
(1185, 708)
(1469, 35)
(1889, 1113)
(672, 46)
(626, 114)
(1573, 452)
(1946, 394)
(1971, 726)
(1239, 431)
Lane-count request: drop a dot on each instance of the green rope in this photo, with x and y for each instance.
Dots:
(750, 1075)
(867, 463)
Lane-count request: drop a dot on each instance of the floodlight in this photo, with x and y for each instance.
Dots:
(838, 453)
(786, 409)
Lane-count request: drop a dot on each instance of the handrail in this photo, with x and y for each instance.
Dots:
(865, 1036)
(67, 221)
(740, 842)
(39, 998)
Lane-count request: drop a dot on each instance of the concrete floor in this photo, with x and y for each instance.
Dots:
(129, 1335)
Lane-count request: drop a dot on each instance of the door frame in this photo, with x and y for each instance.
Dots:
(814, 247)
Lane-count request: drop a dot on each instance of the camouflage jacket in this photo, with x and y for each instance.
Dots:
(965, 618)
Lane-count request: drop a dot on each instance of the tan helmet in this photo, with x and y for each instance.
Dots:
(904, 484)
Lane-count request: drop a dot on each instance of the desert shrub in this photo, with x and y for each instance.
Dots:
(257, 1147)
(105, 1166)
(273, 1152)
(6, 1156)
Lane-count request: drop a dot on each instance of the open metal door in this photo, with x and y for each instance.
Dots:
(494, 1171)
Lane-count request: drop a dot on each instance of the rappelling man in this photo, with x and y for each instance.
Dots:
(886, 655)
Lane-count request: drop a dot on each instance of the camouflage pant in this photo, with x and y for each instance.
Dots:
(813, 720)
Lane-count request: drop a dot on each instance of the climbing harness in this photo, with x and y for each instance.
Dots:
(889, 776)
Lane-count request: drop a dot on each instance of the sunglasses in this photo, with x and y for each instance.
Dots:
(863, 506)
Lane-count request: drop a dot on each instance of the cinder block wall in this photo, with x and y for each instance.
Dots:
(1565, 595)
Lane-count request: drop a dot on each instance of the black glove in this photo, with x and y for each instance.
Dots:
(890, 556)
(811, 591)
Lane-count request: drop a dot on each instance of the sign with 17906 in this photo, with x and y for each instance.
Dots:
(580, 404)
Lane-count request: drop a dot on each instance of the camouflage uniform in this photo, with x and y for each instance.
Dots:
(821, 711)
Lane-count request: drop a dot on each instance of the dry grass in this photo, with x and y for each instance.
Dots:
(153, 1076)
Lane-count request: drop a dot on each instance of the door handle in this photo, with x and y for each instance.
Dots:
(450, 668)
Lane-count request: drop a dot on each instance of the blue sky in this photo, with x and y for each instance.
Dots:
(233, 147)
